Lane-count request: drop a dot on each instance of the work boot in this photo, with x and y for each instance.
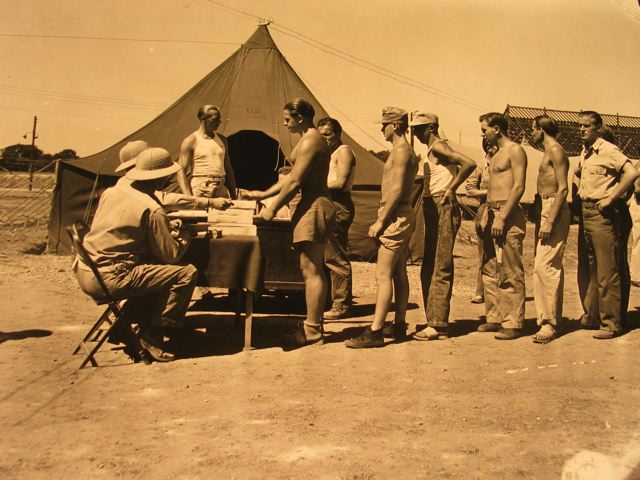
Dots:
(489, 327)
(395, 330)
(367, 339)
(508, 334)
(305, 335)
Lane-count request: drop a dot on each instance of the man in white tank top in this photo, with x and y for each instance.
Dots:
(444, 171)
(342, 169)
(204, 158)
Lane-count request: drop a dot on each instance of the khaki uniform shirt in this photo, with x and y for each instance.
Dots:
(601, 166)
(131, 226)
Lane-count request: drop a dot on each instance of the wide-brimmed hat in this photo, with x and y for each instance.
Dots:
(393, 114)
(129, 152)
(422, 117)
(153, 163)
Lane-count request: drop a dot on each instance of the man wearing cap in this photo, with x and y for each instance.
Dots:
(171, 201)
(392, 230)
(503, 227)
(204, 158)
(132, 245)
(444, 171)
(605, 175)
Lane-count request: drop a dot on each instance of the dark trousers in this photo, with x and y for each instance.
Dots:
(603, 271)
(441, 224)
(336, 252)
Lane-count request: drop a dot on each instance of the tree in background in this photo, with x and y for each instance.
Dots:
(18, 157)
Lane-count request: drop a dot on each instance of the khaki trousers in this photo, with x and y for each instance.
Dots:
(548, 272)
(502, 270)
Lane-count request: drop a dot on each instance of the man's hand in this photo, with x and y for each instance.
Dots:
(545, 231)
(449, 198)
(267, 214)
(375, 230)
(604, 204)
(497, 228)
(220, 203)
(175, 225)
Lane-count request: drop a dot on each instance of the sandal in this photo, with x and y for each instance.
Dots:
(430, 333)
(545, 335)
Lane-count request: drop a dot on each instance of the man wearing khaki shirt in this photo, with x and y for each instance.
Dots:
(605, 175)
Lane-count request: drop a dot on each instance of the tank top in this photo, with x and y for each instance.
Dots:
(333, 169)
(208, 156)
(437, 178)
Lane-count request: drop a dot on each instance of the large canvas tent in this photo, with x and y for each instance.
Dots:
(250, 88)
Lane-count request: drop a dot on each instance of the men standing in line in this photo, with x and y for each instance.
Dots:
(503, 227)
(342, 169)
(314, 216)
(552, 228)
(605, 175)
(133, 246)
(204, 158)
(169, 200)
(393, 230)
(444, 171)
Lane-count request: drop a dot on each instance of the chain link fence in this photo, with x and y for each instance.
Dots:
(25, 198)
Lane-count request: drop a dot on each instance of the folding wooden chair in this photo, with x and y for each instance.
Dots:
(111, 319)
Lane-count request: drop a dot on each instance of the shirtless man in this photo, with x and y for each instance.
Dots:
(503, 227)
(314, 216)
(204, 158)
(552, 228)
(393, 230)
(444, 171)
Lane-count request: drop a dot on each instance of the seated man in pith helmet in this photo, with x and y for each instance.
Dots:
(132, 244)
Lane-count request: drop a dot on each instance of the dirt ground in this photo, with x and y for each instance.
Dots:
(469, 407)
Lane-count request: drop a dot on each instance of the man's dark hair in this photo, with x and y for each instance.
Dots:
(547, 124)
(495, 119)
(205, 111)
(595, 116)
(300, 107)
(333, 123)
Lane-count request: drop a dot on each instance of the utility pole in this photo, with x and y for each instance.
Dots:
(33, 151)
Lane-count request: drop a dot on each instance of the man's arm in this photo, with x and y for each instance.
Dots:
(178, 201)
(560, 163)
(268, 193)
(229, 175)
(164, 247)
(305, 153)
(400, 169)
(518, 163)
(628, 177)
(346, 162)
(445, 154)
(186, 162)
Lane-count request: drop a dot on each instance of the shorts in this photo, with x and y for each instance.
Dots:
(399, 229)
(315, 222)
(210, 187)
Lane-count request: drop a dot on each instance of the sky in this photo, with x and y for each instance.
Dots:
(456, 58)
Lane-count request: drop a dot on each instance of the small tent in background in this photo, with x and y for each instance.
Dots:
(250, 87)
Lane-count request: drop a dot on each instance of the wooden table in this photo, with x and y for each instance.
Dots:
(249, 264)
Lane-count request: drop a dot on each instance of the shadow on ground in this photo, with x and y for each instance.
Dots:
(22, 334)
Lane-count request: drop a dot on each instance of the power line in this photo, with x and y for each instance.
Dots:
(358, 61)
(114, 39)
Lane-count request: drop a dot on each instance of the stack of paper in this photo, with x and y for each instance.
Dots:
(235, 220)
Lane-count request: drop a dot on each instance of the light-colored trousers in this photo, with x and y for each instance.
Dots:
(634, 263)
(548, 272)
